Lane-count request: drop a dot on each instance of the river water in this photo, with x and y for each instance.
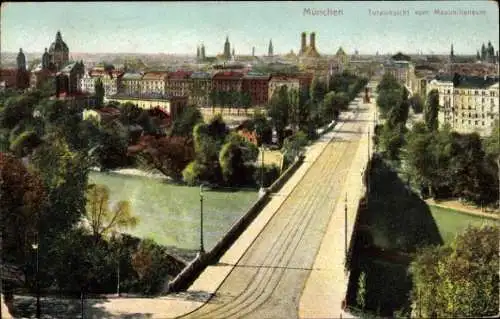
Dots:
(170, 214)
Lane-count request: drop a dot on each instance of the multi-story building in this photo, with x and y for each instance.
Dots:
(110, 81)
(153, 83)
(403, 71)
(178, 83)
(201, 86)
(40, 76)
(172, 105)
(279, 81)
(226, 81)
(256, 84)
(77, 100)
(467, 103)
(130, 84)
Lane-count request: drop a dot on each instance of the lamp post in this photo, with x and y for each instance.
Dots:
(345, 226)
(202, 249)
(117, 239)
(38, 308)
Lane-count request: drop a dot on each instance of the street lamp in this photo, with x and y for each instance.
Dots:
(116, 238)
(38, 308)
(202, 249)
(345, 226)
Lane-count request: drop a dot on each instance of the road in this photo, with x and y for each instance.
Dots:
(268, 280)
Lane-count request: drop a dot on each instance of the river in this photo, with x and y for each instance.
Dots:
(170, 214)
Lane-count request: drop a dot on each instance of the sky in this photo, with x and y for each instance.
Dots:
(179, 27)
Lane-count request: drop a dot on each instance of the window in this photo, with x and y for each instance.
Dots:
(483, 123)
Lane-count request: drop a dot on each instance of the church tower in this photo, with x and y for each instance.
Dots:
(21, 61)
(59, 52)
(452, 54)
(227, 49)
(22, 79)
(197, 52)
(270, 48)
(46, 60)
(202, 52)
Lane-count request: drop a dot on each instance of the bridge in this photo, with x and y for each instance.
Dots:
(289, 260)
(289, 263)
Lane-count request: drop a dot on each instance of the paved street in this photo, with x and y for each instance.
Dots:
(267, 282)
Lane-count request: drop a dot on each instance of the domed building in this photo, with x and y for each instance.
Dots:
(58, 52)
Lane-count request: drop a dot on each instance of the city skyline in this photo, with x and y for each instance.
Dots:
(178, 28)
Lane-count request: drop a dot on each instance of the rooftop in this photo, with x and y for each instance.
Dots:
(179, 75)
(132, 76)
(155, 75)
(228, 75)
(146, 97)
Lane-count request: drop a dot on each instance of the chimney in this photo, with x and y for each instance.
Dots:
(312, 41)
(303, 42)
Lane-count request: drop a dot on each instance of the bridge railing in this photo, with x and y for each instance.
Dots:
(187, 276)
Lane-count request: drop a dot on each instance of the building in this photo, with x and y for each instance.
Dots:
(178, 83)
(77, 100)
(227, 81)
(110, 80)
(154, 83)
(278, 81)
(39, 76)
(130, 84)
(58, 53)
(227, 50)
(201, 86)
(68, 80)
(172, 105)
(467, 103)
(102, 115)
(341, 57)
(270, 49)
(308, 51)
(403, 71)
(256, 85)
(16, 78)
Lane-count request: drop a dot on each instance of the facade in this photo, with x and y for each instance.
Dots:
(341, 57)
(278, 81)
(40, 76)
(110, 81)
(403, 71)
(173, 105)
(9, 77)
(68, 80)
(256, 84)
(201, 86)
(471, 104)
(154, 83)
(226, 81)
(130, 84)
(178, 83)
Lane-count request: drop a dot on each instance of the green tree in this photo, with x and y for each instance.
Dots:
(417, 104)
(278, 111)
(102, 218)
(237, 158)
(460, 279)
(294, 145)
(294, 100)
(99, 92)
(318, 90)
(22, 198)
(169, 155)
(431, 110)
(262, 127)
(184, 124)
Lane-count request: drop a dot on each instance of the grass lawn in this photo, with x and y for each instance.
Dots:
(452, 222)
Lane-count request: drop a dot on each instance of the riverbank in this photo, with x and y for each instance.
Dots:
(134, 172)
